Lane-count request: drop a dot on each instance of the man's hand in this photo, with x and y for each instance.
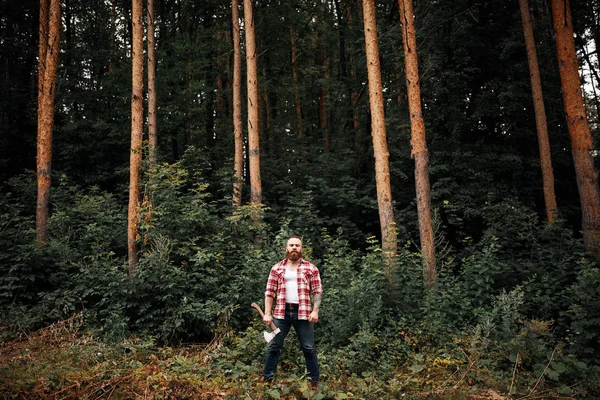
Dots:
(314, 317)
(267, 319)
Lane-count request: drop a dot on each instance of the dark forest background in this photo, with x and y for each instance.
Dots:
(514, 293)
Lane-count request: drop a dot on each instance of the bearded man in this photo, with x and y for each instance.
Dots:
(291, 283)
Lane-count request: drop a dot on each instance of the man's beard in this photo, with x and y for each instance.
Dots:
(294, 255)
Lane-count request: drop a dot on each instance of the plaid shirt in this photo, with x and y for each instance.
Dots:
(309, 282)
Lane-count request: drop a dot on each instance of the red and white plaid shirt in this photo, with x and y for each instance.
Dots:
(309, 282)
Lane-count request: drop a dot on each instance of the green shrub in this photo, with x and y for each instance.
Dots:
(584, 333)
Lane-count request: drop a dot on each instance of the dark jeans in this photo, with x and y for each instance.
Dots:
(306, 337)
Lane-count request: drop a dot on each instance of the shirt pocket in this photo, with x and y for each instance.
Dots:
(304, 278)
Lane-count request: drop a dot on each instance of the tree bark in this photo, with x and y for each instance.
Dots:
(382, 169)
(49, 48)
(137, 125)
(253, 101)
(540, 115)
(42, 49)
(152, 128)
(577, 123)
(418, 141)
(237, 106)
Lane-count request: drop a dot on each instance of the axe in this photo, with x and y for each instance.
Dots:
(275, 330)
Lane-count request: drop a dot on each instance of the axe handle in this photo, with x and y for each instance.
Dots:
(262, 315)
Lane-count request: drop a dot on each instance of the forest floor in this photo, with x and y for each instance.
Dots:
(60, 362)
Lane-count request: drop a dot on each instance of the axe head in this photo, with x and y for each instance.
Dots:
(270, 335)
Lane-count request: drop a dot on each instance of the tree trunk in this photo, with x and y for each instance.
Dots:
(113, 28)
(579, 131)
(323, 63)
(594, 78)
(342, 38)
(353, 95)
(297, 95)
(418, 141)
(267, 101)
(253, 101)
(152, 134)
(382, 169)
(228, 77)
(219, 62)
(237, 106)
(323, 107)
(49, 48)
(137, 125)
(210, 95)
(540, 115)
(188, 35)
(43, 46)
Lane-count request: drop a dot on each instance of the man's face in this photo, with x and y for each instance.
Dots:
(294, 249)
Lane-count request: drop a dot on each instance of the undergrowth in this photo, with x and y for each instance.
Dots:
(514, 312)
(67, 362)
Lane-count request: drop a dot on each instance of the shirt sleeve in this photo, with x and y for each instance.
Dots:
(271, 284)
(315, 282)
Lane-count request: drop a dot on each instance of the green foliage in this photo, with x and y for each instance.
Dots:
(585, 312)
(355, 290)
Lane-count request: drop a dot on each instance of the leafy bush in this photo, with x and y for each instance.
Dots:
(584, 333)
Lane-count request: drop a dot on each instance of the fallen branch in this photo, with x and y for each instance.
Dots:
(471, 363)
(543, 373)
(512, 382)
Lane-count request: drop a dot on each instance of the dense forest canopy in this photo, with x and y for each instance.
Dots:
(475, 90)
(202, 260)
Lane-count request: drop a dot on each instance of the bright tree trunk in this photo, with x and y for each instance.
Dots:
(137, 125)
(253, 101)
(297, 94)
(152, 129)
(418, 141)
(49, 48)
(579, 131)
(237, 106)
(382, 169)
(42, 49)
(540, 115)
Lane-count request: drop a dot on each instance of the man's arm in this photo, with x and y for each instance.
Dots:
(317, 301)
(268, 318)
(317, 290)
(314, 315)
(270, 294)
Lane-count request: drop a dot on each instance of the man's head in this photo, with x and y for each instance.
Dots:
(293, 249)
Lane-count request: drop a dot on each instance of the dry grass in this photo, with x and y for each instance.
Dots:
(63, 362)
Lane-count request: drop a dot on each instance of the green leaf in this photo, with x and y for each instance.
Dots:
(580, 365)
(416, 368)
(274, 394)
(553, 375)
(564, 389)
(559, 367)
